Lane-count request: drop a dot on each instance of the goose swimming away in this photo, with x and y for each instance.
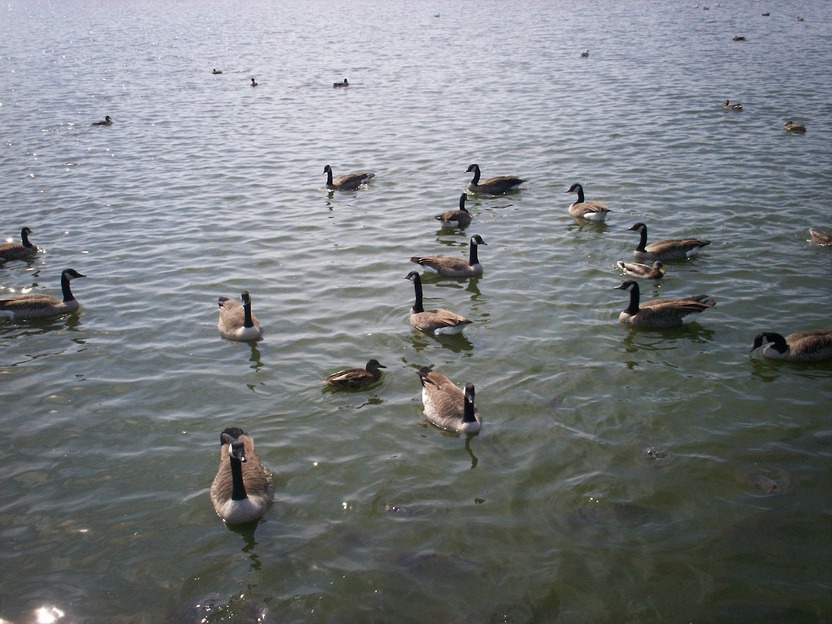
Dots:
(589, 210)
(813, 345)
(437, 321)
(347, 182)
(242, 490)
(104, 122)
(791, 126)
(18, 251)
(457, 218)
(453, 266)
(336, 85)
(728, 105)
(672, 249)
(820, 238)
(643, 271)
(253, 82)
(491, 186)
(36, 306)
(236, 320)
(356, 377)
(661, 313)
(216, 72)
(446, 406)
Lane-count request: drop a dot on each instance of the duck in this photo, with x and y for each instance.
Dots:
(447, 406)
(336, 85)
(356, 377)
(236, 320)
(452, 266)
(805, 346)
(457, 218)
(104, 122)
(216, 72)
(585, 54)
(36, 306)
(18, 251)
(242, 490)
(728, 105)
(589, 210)
(491, 186)
(791, 126)
(253, 82)
(347, 182)
(820, 238)
(661, 313)
(644, 271)
(437, 321)
(738, 38)
(673, 249)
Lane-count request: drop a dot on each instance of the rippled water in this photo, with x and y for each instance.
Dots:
(619, 475)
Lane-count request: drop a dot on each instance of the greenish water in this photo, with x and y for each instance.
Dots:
(619, 476)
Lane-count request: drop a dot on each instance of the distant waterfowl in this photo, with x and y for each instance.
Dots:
(766, 14)
(356, 377)
(336, 85)
(728, 105)
(36, 306)
(236, 320)
(457, 218)
(446, 406)
(672, 249)
(585, 54)
(452, 266)
(644, 271)
(820, 238)
(738, 38)
(242, 490)
(18, 251)
(104, 122)
(216, 71)
(791, 126)
(253, 82)
(661, 313)
(437, 321)
(491, 186)
(804, 346)
(589, 210)
(799, 18)
(347, 182)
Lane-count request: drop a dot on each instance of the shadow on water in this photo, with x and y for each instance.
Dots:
(454, 342)
(769, 370)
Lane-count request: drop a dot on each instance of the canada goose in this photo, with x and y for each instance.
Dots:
(105, 122)
(35, 306)
(355, 377)
(452, 266)
(336, 85)
(791, 126)
(236, 320)
(438, 321)
(491, 186)
(820, 238)
(589, 210)
(673, 249)
(243, 490)
(347, 182)
(644, 271)
(18, 251)
(804, 346)
(457, 218)
(253, 82)
(216, 72)
(728, 105)
(661, 313)
(446, 406)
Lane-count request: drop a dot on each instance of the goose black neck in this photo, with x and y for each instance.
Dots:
(65, 288)
(247, 322)
(634, 299)
(472, 254)
(643, 240)
(476, 178)
(238, 490)
(468, 412)
(24, 237)
(580, 191)
(462, 199)
(417, 286)
(329, 175)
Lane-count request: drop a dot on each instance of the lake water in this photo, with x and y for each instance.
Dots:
(620, 476)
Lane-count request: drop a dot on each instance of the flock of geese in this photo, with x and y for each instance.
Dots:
(243, 490)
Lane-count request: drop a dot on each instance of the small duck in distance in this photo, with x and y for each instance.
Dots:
(644, 271)
(336, 85)
(216, 71)
(585, 54)
(791, 126)
(728, 105)
(738, 38)
(253, 82)
(491, 186)
(355, 377)
(104, 122)
(457, 218)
